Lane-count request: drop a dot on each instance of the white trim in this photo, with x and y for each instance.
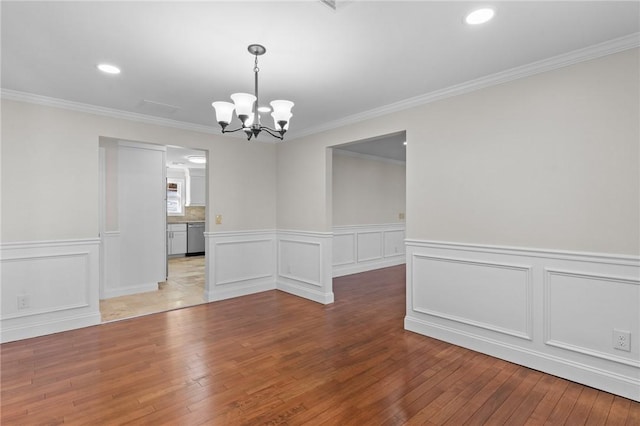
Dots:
(549, 64)
(548, 340)
(342, 269)
(48, 243)
(347, 153)
(306, 293)
(237, 275)
(588, 359)
(581, 55)
(596, 377)
(613, 259)
(382, 258)
(346, 229)
(213, 234)
(72, 266)
(85, 256)
(307, 272)
(42, 328)
(315, 234)
(126, 291)
(14, 95)
(527, 334)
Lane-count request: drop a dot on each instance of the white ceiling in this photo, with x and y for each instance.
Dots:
(333, 64)
(177, 157)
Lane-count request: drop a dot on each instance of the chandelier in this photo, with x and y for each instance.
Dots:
(243, 104)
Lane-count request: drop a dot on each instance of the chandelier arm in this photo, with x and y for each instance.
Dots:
(232, 131)
(271, 132)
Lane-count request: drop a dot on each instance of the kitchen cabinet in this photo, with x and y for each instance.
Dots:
(197, 185)
(176, 238)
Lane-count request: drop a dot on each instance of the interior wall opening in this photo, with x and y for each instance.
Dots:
(368, 199)
(153, 208)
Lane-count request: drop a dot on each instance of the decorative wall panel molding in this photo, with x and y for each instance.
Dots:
(239, 263)
(360, 248)
(474, 293)
(582, 309)
(48, 286)
(553, 311)
(304, 268)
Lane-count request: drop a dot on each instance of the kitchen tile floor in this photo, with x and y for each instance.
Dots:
(184, 287)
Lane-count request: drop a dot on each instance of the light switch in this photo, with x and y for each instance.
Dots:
(218, 219)
(401, 216)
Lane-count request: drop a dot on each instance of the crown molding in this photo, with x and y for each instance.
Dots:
(581, 55)
(14, 95)
(596, 51)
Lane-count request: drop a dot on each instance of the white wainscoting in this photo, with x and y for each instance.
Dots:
(360, 248)
(240, 263)
(304, 266)
(114, 281)
(59, 280)
(553, 311)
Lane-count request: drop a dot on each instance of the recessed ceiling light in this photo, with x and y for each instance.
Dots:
(264, 109)
(479, 16)
(198, 159)
(109, 69)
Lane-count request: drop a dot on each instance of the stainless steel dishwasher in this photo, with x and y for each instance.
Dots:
(195, 238)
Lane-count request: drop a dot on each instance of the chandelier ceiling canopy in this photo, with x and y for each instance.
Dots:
(246, 107)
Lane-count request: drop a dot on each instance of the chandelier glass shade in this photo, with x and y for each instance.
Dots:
(246, 106)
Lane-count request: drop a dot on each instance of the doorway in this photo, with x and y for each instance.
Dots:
(181, 281)
(368, 204)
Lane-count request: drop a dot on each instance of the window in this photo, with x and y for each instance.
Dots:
(175, 197)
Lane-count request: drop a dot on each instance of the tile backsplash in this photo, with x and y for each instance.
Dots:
(191, 214)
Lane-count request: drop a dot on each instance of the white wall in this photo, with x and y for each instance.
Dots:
(509, 188)
(510, 164)
(45, 149)
(549, 161)
(366, 190)
(50, 202)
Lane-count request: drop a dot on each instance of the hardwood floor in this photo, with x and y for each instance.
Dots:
(184, 287)
(273, 358)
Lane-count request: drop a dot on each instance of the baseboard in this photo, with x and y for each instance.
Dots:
(28, 331)
(126, 291)
(307, 293)
(342, 270)
(247, 289)
(622, 385)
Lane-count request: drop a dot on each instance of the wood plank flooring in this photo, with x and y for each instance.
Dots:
(273, 358)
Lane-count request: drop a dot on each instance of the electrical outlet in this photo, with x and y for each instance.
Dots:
(23, 301)
(622, 340)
